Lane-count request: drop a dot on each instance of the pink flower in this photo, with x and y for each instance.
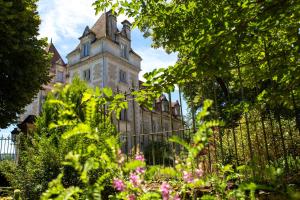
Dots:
(134, 179)
(176, 197)
(165, 190)
(140, 157)
(118, 184)
(188, 177)
(131, 197)
(199, 172)
(140, 170)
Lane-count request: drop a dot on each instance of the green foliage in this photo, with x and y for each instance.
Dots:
(73, 137)
(80, 120)
(40, 162)
(82, 159)
(161, 151)
(204, 131)
(186, 179)
(17, 195)
(7, 170)
(24, 62)
(241, 54)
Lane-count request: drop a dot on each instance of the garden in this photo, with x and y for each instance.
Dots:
(238, 71)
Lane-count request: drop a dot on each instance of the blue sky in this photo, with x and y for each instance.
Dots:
(64, 21)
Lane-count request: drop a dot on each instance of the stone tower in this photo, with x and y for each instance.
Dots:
(104, 58)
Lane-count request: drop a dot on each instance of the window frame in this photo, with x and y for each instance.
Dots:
(122, 76)
(58, 78)
(124, 53)
(85, 49)
(165, 105)
(85, 73)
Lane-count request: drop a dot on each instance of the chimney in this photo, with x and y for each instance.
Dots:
(127, 28)
(111, 24)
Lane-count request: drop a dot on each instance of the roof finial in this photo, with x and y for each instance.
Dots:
(51, 41)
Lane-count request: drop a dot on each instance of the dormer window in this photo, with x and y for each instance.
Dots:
(165, 105)
(124, 53)
(85, 51)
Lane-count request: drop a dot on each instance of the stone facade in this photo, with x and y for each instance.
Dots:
(104, 58)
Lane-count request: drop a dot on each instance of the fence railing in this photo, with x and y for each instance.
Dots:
(8, 148)
(257, 142)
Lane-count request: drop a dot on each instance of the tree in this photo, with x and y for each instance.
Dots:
(246, 51)
(24, 63)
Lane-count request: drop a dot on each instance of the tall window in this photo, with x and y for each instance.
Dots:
(85, 49)
(60, 76)
(123, 76)
(124, 53)
(165, 105)
(87, 74)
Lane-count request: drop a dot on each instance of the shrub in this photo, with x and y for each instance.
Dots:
(7, 171)
(161, 151)
(133, 180)
(71, 130)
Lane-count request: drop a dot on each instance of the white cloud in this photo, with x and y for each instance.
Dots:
(65, 19)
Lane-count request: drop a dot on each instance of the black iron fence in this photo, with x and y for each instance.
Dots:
(8, 148)
(256, 139)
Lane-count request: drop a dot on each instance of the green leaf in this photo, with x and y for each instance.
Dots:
(81, 128)
(108, 92)
(86, 97)
(133, 165)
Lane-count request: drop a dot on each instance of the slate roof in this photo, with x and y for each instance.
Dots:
(99, 28)
(56, 56)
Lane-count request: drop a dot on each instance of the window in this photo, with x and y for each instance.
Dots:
(123, 115)
(165, 105)
(124, 53)
(123, 76)
(60, 76)
(85, 51)
(87, 75)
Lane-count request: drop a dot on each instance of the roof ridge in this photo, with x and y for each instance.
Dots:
(56, 55)
(99, 28)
